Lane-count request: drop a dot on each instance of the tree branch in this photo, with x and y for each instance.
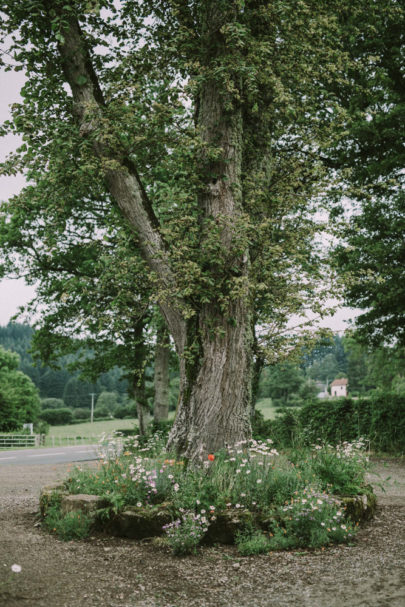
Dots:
(121, 176)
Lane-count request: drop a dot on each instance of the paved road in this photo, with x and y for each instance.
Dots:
(49, 455)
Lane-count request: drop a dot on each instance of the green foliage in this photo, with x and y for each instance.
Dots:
(101, 412)
(71, 526)
(185, 533)
(108, 400)
(41, 427)
(77, 393)
(57, 417)
(379, 419)
(387, 429)
(339, 470)
(51, 382)
(126, 411)
(282, 383)
(372, 255)
(268, 60)
(52, 403)
(227, 120)
(298, 493)
(325, 369)
(312, 519)
(261, 428)
(81, 414)
(251, 541)
(19, 399)
(255, 480)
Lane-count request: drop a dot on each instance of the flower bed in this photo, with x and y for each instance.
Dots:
(249, 494)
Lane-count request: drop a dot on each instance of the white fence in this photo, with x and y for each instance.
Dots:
(67, 441)
(19, 440)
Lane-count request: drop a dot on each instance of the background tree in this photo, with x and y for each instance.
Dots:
(162, 374)
(19, 399)
(282, 383)
(108, 401)
(370, 158)
(51, 381)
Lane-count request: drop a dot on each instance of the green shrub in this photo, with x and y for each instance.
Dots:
(339, 470)
(41, 427)
(80, 414)
(285, 430)
(387, 427)
(261, 428)
(125, 411)
(185, 533)
(52, 403)
(57, 417)
(107, 400)
(252, 541)
(71, 526)
(297, 492)
(310, 520)
(100, 412)
(380, 419)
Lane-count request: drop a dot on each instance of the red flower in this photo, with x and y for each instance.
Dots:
(211, 457)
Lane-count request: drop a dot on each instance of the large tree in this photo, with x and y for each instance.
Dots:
(371, 160)
(200, 124)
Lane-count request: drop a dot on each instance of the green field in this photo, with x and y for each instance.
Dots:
(86, 432)
(266, 407)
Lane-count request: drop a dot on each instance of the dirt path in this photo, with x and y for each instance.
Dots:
(109, 572)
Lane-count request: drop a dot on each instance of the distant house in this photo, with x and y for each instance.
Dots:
(339, 387)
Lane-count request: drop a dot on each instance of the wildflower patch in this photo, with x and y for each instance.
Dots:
(306, 498)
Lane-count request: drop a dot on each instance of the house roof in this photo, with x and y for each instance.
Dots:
(342, 381)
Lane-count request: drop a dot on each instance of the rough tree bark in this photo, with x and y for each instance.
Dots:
(214, 407)
(138, 379)
(162, 359)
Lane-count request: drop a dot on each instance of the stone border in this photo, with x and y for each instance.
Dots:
(142, 523)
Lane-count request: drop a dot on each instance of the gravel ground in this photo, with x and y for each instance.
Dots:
(111, 572)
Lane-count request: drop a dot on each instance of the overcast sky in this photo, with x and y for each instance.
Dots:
(15, 293)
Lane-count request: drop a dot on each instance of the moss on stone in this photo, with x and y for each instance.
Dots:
(139, 523)
(360, 508)
(51, 495)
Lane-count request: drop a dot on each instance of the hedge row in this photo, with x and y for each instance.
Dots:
(380, 419)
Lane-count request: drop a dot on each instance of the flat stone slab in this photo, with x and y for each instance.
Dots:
(88, 504)
(139, 523)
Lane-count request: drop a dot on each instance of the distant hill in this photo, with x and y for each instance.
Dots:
(56, 383)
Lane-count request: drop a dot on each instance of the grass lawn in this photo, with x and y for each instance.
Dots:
(266, 407)
(86, 432)
(269, 411)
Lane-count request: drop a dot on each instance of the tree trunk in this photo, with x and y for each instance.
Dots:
(214, 406)
(257, 368)
(142, 408)
(162, 358)
(215, 388)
